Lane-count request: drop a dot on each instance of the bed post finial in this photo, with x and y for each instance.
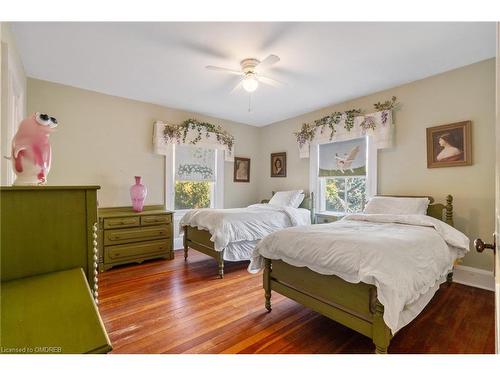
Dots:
(449, 210)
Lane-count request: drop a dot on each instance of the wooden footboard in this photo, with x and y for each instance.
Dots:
(199, 240)
(352, 305)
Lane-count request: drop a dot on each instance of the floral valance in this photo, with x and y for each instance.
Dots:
(343, 126)
(192, 132)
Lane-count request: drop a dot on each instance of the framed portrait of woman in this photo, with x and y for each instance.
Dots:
(449, 145)
(278, 164)
(241, 170)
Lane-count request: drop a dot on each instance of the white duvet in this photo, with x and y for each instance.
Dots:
(252, 223)
(405, 256)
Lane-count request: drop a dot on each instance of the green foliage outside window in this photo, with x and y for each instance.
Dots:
(345, 194)
(192, 194)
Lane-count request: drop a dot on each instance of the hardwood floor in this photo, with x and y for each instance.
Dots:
(176, 307)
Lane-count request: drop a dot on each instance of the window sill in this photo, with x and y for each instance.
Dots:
(331, 213)
(328, 216)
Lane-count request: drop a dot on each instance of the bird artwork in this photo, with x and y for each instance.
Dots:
(344, 162)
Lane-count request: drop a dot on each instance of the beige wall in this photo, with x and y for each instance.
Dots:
(467, 93)
(106, 140)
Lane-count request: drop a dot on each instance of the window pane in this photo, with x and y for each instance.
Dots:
(356, 194)
(335, 194)
(192, 194)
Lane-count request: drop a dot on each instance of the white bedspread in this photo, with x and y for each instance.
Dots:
(404, 256)
(244, 224)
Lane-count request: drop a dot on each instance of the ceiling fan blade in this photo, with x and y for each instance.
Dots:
(225, 70)
(237, 87)
(267, 62)
(270, 81)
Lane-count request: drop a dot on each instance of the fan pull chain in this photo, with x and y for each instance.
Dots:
(249, 102)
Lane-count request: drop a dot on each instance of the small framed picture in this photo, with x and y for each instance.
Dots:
(449, 145)
(278, 164)
(241, 170)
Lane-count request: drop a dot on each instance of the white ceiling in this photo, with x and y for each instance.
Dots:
(323, 63)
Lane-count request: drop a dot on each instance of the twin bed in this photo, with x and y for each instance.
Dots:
(232, 234)
(372, 272)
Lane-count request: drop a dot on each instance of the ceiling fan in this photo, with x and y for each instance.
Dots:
(251, 73)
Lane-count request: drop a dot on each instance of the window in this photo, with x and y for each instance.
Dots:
(343, 175)
(195, 176)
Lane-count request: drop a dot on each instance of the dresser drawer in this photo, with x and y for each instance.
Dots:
(121, 222)
(155, 219)
(119, 253)
(119, 236)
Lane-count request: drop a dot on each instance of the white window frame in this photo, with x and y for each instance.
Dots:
(216, 194)
(316, 184)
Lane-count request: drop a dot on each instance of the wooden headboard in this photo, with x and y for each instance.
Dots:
(443, 212)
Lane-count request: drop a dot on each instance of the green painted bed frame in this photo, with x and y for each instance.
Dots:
(353, 305)
(199, 239)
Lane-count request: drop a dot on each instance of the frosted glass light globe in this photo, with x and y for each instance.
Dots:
(250, 84)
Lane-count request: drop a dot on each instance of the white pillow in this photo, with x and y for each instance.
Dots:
(397, 206)
(286, 198)
(298, 200)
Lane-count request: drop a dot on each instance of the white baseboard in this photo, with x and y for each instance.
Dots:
(474, 277)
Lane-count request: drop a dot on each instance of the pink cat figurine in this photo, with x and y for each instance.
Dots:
(31, 152)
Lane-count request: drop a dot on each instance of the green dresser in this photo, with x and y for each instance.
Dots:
(49, 256)
(127, 236)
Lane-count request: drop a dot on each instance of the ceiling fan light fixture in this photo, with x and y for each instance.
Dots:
(250, 83)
